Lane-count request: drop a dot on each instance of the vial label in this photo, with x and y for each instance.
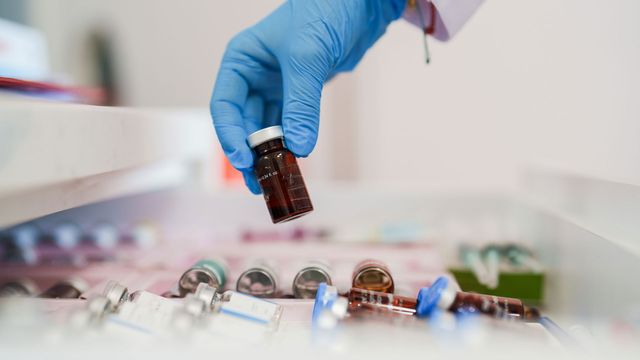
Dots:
(281, 181)
(250, 308)
(149, 313)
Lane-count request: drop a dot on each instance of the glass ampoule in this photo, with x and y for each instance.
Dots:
(330, 308)
(307, 280)
(259, 280)
(240, 305)
(207, 271)
(441, 294)
(279, 176)
(373, 275)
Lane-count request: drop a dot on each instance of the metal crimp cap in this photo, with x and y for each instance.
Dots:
(115, 293)
(264, 135)
(207, 294)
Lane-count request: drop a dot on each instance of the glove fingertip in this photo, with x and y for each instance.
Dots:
(299, 147)
(240, 158)
(251, 182)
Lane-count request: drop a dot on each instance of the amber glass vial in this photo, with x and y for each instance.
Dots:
(279, 176)
(373, 275)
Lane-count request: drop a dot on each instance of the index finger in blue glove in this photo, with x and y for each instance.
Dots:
(303, 78)
(228, 100)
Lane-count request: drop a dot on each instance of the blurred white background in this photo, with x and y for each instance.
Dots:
(551, 83)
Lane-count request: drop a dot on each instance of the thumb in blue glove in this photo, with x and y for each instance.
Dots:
(273, 73)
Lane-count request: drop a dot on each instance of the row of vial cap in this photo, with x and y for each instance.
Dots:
(261, 280)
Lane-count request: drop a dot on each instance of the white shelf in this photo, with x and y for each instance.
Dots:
(57, 156)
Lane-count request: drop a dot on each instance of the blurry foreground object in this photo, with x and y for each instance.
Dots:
(510, 270)
(23, 52)
(24, 68)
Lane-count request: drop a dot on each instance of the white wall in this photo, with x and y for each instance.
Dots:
(548, 82)
(168, 51)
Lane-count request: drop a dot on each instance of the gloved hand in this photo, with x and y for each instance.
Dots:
(273, 72)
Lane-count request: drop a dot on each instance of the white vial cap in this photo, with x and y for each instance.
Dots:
(264, 135)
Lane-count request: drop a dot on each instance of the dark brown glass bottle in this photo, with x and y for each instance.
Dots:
(279, 176)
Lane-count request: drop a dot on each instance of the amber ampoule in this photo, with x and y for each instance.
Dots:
(443, 295)
(496, 306)
(373, 275)
(360, 299)
(279, 176)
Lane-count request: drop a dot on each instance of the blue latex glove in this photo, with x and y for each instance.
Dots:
(273, 72)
